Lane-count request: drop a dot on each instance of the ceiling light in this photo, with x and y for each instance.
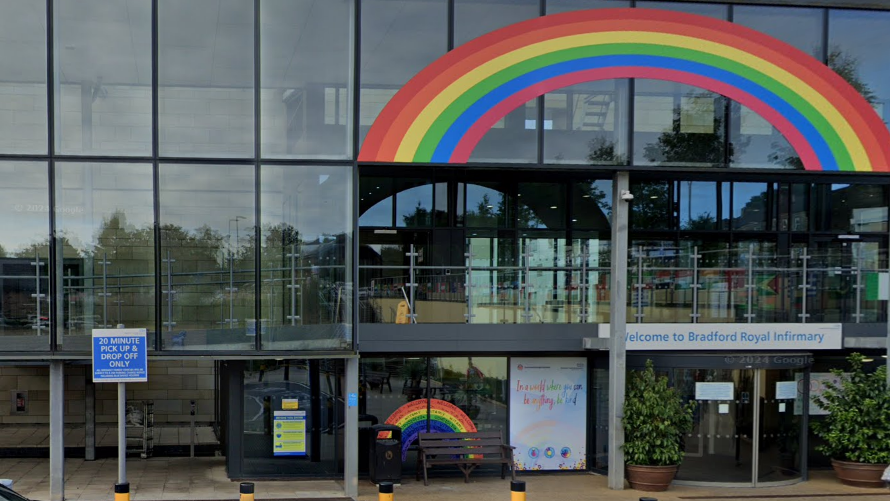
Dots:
(574, 220)
(490, 206)
(868, 360)
(653, 197)
(585, 196)
(552, 206)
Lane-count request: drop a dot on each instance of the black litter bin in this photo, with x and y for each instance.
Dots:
(385, 459)
(365, 422)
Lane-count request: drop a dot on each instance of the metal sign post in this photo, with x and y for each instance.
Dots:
(120, 356)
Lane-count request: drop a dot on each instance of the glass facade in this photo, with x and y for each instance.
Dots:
(189, 167)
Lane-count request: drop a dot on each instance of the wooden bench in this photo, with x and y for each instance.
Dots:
(464, 450)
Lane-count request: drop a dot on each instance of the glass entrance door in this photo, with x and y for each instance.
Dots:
(747, 428)
(721, 444)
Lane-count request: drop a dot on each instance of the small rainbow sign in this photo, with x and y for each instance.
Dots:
(444, 417)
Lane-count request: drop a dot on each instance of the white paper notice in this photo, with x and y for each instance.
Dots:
(723, 408)
(714, 391)
(782, 407)
(786, 390)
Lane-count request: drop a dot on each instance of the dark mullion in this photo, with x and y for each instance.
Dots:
(450, 42)
(55, 330)
(353, 260)
(156, 177)
(257, 227)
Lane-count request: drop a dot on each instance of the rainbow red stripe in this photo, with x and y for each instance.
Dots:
(441, 114)
(444, 417)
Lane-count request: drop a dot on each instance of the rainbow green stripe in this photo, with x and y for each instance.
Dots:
(442, 113)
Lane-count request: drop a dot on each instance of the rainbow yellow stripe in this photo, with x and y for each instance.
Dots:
(442, 113)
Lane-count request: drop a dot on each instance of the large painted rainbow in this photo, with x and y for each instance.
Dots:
(444, 417)
(441, 114)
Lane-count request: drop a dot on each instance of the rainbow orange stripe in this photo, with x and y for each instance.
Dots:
(444, 417)
(441, 114)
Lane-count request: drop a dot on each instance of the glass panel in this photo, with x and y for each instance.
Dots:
(676, 124)
(599, 459)
(800, 207)
(711, 10)
(720, 445)
(399, 38)
(513, 138)
(755, 142)
(207, 267)
(474, 18)
(384, 275)
(306, 86)
(103, 77)
(587, 124)
(375, 201)
(488, 205)
(385, 384)
(105, 224)
(557, 6)
(780, 426)
(307, 214)
(442, 212)
(23, 115)
(546, 292)
(476, 385)
(698, 205)
(592, 204)
(851, 208)
(541, 205)
(414, 202)
(495, 295)
(856, 51)
(24, 242)
(205, 78)
(317, 385)
(749, 206)
(651, 206)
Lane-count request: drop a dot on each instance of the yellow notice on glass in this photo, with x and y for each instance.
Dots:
(290, 404)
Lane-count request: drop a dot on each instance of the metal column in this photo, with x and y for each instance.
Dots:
(57, 430)
(618, 328)
(350, 446)
(805, 287)
(695, 285)
(89, 419)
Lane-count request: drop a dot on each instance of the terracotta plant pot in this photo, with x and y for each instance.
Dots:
(859, 474)
(651, 478)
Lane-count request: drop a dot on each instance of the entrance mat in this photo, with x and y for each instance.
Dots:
(793, 496)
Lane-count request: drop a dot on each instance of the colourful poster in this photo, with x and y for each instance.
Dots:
(290, 433)
(548, 413)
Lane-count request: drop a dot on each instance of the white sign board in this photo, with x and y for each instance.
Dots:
(714, 391)
(817, 388)
(548, 413)
(767, 336)
(120, 356)
(786, 390)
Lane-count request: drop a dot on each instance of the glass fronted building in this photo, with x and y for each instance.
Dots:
(192, 168)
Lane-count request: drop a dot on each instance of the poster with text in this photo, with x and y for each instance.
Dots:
(548, 413)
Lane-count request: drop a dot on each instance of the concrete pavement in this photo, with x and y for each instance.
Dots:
(158, 479)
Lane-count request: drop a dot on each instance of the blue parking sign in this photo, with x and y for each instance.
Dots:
(120, 356)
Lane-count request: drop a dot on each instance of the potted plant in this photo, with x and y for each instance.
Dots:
(856, 431)
(655, 420)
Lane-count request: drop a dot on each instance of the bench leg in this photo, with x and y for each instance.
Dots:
(425, 479)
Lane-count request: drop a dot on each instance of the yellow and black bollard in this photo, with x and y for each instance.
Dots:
(246, 491)
(122, 492)
(385, 491)
(517, 490)
(648, 499)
